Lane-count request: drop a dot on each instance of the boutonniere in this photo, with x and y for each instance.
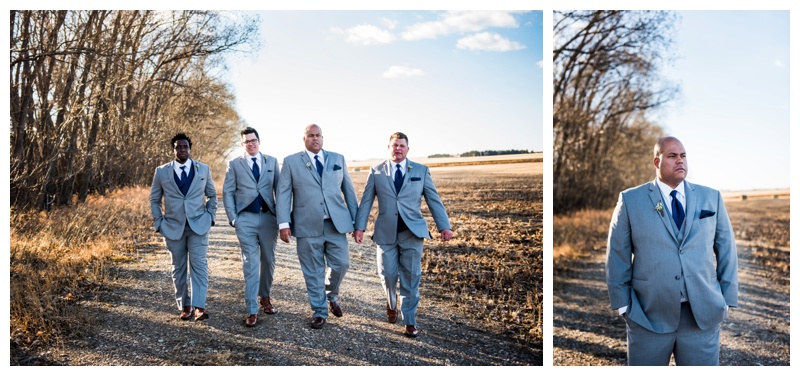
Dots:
(408, 167)
(308, 165)
(660, 208)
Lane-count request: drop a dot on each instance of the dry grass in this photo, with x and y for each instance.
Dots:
(59, 258)
(761, 223)
(491, 270)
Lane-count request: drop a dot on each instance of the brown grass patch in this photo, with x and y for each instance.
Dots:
(59, 258)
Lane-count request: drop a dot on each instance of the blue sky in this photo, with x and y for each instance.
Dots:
(733, 111)
(453, 81)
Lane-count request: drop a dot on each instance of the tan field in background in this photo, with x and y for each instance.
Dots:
(531, 158)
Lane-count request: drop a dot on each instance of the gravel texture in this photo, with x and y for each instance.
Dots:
(587, 332)
(137, 322)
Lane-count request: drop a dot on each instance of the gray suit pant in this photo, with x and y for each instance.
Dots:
(323, 282)
(402, 260)
(258, 235)
(189, 268)
(690, 345)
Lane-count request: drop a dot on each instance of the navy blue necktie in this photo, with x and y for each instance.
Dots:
(183, 174)
(677, 210)
(256, 170)
(319, 165)
(398, 179)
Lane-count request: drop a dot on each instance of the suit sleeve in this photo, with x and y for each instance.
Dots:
(284, 195)
(156, 193)
(228, 197)
(211, 194)
(435, 203)
(276, 179)
(725, 250)
(367, 198)
(618, 257)
(349, 193)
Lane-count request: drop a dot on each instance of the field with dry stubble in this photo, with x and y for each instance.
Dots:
(587, 332)
(491, 271)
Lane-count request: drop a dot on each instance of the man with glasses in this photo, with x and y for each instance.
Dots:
(249, 198)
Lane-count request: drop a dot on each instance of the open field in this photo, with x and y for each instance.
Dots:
(587, 332)
(531, 158)
(492, 269)
(481, 294)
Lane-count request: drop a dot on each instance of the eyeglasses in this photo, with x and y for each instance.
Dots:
(250, 141)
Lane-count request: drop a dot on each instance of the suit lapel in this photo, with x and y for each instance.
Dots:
(666, 218)
(171, 173)
(243, 164)
(194, 183)
(691, 206)
(407, 175)
(311, 166)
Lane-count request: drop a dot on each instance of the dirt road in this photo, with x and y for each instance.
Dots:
(587, 332)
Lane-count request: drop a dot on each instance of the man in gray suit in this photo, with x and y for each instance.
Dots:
(316, 186)
(190, 209)
(671, 273)
(249, 198)
(400, 229)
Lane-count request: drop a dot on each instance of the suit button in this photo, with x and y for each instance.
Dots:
(677, 278)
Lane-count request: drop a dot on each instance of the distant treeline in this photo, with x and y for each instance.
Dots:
(476, 153)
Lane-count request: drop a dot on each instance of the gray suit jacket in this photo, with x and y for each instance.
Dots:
(240, 187)
(645, 262)
(303, 198)
(198, 207)
(417, 183)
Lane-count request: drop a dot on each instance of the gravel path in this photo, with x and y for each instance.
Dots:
(137, 323)
(587, 332)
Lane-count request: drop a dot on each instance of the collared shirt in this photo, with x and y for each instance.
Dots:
(177, 166)
(665, 193)
(402, 167)
(250, 161)
(321, 156)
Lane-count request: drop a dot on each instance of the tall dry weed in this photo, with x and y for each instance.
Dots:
(60, 257)
(580, 233)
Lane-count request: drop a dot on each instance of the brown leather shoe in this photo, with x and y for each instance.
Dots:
(250, 321)
(200, 314)
(187, 313)
(411, 331)
(267, 305)
(337, 311)
(317, 323)
(391, 314)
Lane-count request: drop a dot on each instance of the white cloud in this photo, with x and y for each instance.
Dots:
(488, 42)
(778, 63)
(396, 71)
(459, 21)
(391, 24)
(366, 35)
(540, 63)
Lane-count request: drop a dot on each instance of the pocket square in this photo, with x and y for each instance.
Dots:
(416, 179)
(706, 214)
(337, 167)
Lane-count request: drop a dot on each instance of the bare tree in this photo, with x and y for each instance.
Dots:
(96, 95)
(605, 81)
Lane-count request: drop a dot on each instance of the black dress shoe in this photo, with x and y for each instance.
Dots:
(317, 323)
(411, 331)
(337, 311)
